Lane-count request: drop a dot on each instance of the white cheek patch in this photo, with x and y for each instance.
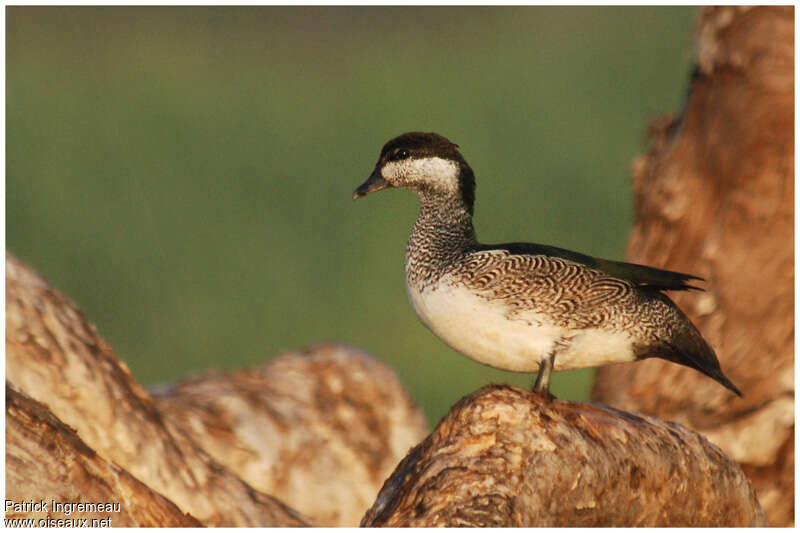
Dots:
(435, 172)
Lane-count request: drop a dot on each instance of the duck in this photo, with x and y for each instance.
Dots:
(526, 307)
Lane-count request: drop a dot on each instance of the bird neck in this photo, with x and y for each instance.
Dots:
(443, 231)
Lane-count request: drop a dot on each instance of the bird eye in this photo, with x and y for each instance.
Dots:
(400, 155)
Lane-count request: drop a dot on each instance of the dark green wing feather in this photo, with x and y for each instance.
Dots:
(640, 275)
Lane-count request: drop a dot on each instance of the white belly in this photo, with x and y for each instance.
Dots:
(480, 329)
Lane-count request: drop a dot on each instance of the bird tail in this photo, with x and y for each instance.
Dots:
(686, 346)
(700, 356)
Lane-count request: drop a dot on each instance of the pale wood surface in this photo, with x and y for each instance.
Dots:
(505, 457)
(55, 356)
(321, 430)
(715, 197)
(46, 460)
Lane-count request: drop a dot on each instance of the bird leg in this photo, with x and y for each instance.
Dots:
(542, 385)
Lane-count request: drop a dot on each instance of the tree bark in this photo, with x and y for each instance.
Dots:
(715, 197)
(504, 457)
(46, 460)
(55, 356)
(320, 430)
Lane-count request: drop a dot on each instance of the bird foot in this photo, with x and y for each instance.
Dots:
(546, 394)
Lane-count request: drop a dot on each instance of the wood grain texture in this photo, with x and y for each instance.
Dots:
(505, 457)
(55, 356)
(46, 460)
(715, 196)
(321, 429)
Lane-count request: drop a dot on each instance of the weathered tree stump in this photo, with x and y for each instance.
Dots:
(715, 197)
(321, 430)
(47, 462)
(504, 457)
(55, 356)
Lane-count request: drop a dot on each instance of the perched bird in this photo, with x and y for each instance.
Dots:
(526, 307)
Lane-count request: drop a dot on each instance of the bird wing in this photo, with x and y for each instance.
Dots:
(639, 275)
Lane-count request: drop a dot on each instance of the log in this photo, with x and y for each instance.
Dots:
(319, 429)
(55, 356)
(47, 461)
(504, 457)
(714, 196)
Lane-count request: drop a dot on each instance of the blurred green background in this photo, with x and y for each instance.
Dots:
(185, 174)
